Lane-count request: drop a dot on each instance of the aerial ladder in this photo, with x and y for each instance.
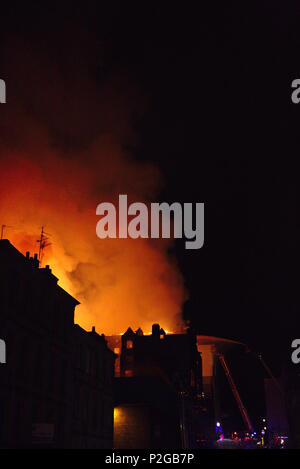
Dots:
(235, 392)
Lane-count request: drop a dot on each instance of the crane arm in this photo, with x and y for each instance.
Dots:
(235, 392)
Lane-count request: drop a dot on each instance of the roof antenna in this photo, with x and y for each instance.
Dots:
(2, 229)
(43, 242)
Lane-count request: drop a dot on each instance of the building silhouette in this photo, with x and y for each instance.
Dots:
(41, 380)
(64, 387)
(93, 399)
(158, 389)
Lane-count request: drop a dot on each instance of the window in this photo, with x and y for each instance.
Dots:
(117, 350)
(129, 344)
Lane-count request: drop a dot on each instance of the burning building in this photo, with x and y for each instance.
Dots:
(181, 390)
(157, 388)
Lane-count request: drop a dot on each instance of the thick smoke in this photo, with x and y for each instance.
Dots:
(65, 140)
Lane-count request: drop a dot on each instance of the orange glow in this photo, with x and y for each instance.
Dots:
(116, 414)
(63, 153)
(119, 283)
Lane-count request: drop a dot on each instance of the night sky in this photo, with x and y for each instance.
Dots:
(219, 123)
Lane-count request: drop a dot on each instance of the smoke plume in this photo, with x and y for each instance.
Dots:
(67, 144)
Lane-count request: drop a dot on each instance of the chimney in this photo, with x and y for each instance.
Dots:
(35, 260)
(155, 330)
(93, 329)
(27, 255)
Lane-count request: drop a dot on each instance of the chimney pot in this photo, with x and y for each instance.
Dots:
(155, 330)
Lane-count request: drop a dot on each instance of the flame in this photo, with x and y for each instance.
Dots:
(63, 154)
(118, 282)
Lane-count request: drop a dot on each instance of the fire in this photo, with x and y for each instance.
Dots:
(62, 153)
(118, 282)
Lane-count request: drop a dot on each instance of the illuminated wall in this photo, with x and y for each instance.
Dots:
(131, 427)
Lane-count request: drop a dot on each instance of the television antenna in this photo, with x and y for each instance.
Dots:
(3, 228)
(43, 242)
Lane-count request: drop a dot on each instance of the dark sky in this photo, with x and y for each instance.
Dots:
(221, 126)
